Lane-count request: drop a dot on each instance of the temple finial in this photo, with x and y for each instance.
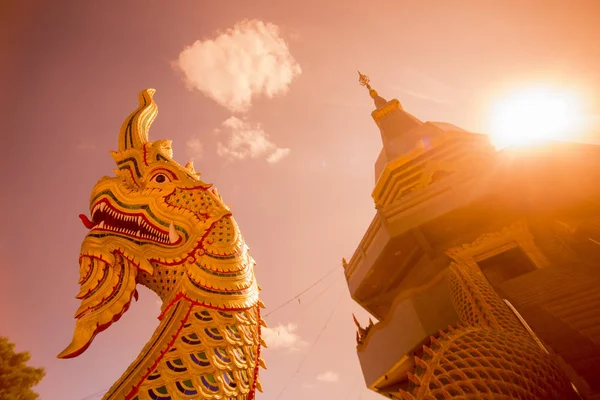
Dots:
(364, 81)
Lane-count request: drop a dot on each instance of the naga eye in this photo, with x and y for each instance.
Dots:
(160, 178)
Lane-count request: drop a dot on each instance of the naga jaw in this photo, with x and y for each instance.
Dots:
(134, 225)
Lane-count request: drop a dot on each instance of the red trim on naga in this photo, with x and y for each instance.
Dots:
(251, 396)
(145, 154)
(99, 329)
(132, 176)
(192, 252)
(208, 186)
(83, 279)
(252, 393)
(223, 290)
(135, 389)
(199, 303)
(93, 256)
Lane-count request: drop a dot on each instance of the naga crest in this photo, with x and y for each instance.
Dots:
(157, 224)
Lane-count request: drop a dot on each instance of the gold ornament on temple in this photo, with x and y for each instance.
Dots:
(364, 81)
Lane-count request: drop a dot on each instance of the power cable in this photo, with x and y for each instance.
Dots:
(311, 301)
(307, 305)
(311, 347)
(360, 390)
(302, 292)
(93, 395)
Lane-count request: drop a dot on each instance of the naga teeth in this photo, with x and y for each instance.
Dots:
(152, 233)
(173, 236)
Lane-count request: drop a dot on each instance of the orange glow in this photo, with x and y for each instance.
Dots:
(532, 115)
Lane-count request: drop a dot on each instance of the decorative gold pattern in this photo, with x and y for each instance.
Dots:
(157, 224)
(364, 80)
(490, 244)
(211, 358)
(393, 104)
(490, 355)
(433, 167)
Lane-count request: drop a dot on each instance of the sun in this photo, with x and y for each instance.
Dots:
(535, 114)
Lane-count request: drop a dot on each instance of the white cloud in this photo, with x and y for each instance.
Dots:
(247, 140)
(283, 336)
(194, 149)
(328, 376)
(248, 60)
(277, 155)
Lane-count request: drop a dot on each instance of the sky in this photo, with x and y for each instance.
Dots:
(263, 97)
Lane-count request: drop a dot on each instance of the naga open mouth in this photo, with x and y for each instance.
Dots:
(134, 225)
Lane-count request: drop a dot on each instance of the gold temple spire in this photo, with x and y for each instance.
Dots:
(364, 81)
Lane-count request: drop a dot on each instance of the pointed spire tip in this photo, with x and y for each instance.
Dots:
(364, 81)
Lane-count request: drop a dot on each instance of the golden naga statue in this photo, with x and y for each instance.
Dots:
(157, 224)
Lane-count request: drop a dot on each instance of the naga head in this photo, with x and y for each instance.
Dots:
(156, 223)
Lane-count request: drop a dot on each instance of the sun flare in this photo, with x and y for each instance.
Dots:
(533, 115)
